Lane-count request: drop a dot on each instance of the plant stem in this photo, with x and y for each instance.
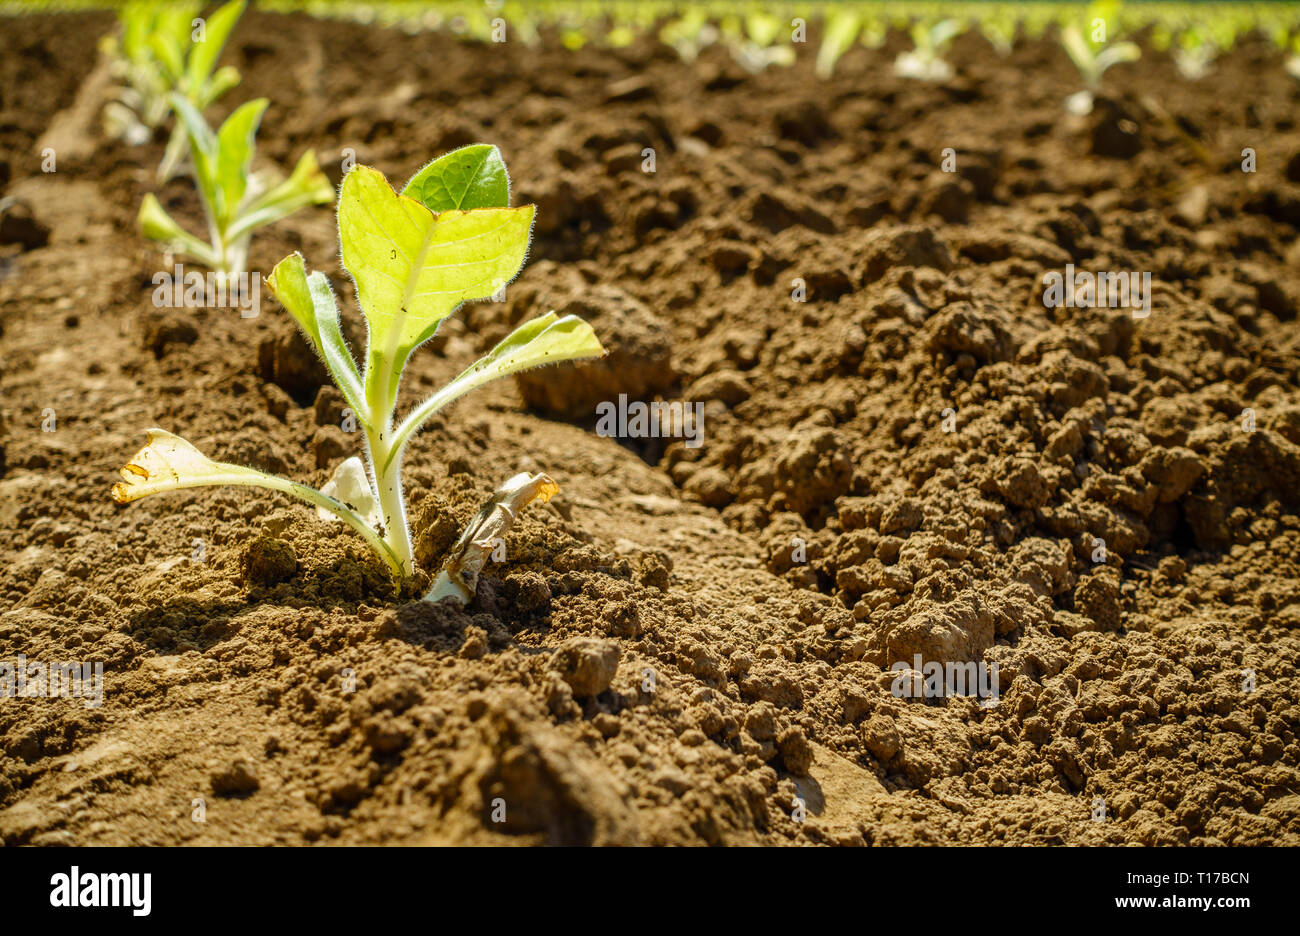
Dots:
(386, 475)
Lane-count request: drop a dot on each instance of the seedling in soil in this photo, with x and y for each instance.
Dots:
(231, 200)
(162, 53)
(999, 28)
(449, 237)
(756, 43)
(1195, 54)
(840, 29)
(1093, 55)
(925, 61)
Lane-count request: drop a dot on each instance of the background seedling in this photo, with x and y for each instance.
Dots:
(840, 31)
(757, 43)
(1093, 54)
(234, 204)
(999, 28)
(925, 61)
(1194, 54)
(448, 238)
(162, 53)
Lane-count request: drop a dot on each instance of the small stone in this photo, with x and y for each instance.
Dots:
(278, 402)
(880, 735)
(238, 778)
(587, 664)
(1097, 597)
(760, 722)
(796, 752)
(729, 386)
(267, 561)
(636, 88)
(329, 406)
(711, 486)
(731, 259)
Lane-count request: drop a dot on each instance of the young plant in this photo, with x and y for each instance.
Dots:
(999, 28)
(235, 204)
(1293, 60)
(1195, 54)
(449, 237)
(839, 31)
(1093, 55)
(925, 61)
(755, 42)
(689, 34)
(166, 50)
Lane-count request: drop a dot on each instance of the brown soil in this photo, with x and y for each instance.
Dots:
(650, 664)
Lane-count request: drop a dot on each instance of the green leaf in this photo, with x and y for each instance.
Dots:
(763, 28)
(168, 54)
(310, 301)
(169, 463)
(547, 339)
(841, 29)
(156, 224)
(203, 150)
(226, 78)
(178, 144)
(236, 141)
(412, 269)
(943, 33)
(1116, 53)
(470, 177)
(306, 186)
(1080, 53)
(137, 26)
(204, 55)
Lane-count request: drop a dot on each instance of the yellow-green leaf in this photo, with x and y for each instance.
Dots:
(548, 339)
(412, 268)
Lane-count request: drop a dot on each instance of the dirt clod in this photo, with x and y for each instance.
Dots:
(587, 665)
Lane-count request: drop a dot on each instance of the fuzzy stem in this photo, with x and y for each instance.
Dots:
(386, 476)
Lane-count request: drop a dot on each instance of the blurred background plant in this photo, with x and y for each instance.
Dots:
(1093, 51)
(155, 52)
(166, 49)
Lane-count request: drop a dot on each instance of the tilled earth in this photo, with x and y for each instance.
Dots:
(905, 453)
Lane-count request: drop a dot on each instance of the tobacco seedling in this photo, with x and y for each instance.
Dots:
(689, 34)
(449, 237)
(235, 204)
(999, 27)
(755, 41)
(166, 50)
(1093, 55)
(925, 61)
(840, 29)
(1195, 53)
